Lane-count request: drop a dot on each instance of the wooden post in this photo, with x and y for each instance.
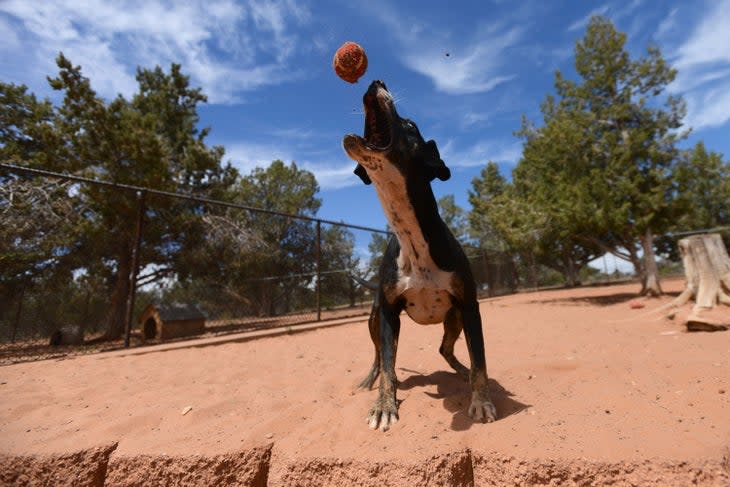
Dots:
(707, 270)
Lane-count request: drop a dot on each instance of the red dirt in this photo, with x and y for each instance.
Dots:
(588, 390)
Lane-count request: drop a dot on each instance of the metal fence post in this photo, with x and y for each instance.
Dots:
(135, 268)
(318, 253)
(488, 278)
(18, 313)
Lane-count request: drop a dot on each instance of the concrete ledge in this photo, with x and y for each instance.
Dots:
(258, 467)
(248, 467)
(85, 468)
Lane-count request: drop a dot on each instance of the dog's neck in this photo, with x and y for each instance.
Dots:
(413, 216)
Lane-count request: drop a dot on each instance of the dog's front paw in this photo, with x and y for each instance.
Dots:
(383, 415)
(482, 410)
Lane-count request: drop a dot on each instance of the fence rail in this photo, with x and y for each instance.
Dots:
(58, 293)
(37, 309)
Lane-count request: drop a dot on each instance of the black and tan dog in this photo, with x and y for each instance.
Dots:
(424, 269)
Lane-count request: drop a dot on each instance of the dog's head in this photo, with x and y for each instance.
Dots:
(390, 139)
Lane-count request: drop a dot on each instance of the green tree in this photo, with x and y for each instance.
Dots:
(151, 141)
(549, 186)
(262, 263)
(703, 188)
(509, 222)
(338, 260)
(702, 197)
(455, 218)
(615, 175)
(37, 243)
(485, 198)
(635, 134)
(33, 213)
(27, 129)
(376, 248)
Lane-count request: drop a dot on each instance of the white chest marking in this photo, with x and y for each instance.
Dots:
(424, 286)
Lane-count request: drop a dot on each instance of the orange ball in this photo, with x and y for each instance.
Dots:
(350, 61)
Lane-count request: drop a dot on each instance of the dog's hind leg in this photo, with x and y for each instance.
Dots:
(481, 407)
(452, 329)
(374, 327)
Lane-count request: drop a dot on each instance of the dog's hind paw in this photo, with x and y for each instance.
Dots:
(481, 410)
(382, 418)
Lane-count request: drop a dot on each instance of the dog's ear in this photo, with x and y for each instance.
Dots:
(363, 174)
(436, 167)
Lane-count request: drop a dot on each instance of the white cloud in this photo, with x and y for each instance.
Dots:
(709, 108)
(247, 156)
(617, 11)
(690, 79)
(331, 172)
(9, 39)
(227, 47)
(474, 66)
(480, 153)
(334, 170)
(581, 23)
(474, 118)
(709, 42)
(703, 62)
(669, 23)
(333, 176)
(295, 133)
(473, 69)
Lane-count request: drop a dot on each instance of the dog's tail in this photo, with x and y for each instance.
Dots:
(366, 284)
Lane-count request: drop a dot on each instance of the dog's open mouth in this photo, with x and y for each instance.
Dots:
(379, 122)
(378, 116)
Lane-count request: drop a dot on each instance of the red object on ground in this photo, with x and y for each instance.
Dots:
(636, 304)
(350, 61)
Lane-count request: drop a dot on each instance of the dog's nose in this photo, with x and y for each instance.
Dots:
(376, 85)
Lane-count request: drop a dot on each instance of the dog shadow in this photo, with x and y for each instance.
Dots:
(455, 393)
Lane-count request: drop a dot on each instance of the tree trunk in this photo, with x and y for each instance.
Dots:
(707, 270)
(351, 292)
(650, 279)
(118, 306)
(637, 263)
(570, 273)
(514, 274)
(533, 270)
(489, 276)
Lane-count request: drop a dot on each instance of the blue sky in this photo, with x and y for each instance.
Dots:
(266, 68)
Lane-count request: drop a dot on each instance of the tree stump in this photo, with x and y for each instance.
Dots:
(707, 269)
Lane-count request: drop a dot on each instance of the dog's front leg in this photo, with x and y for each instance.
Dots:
(481, 407)
(374, 328)
(384, 412)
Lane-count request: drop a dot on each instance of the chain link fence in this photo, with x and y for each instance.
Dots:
(166, 266)
(76, 280)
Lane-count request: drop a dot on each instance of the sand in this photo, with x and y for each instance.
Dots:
(589, 391)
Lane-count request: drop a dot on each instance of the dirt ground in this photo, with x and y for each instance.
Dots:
(589, 392)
